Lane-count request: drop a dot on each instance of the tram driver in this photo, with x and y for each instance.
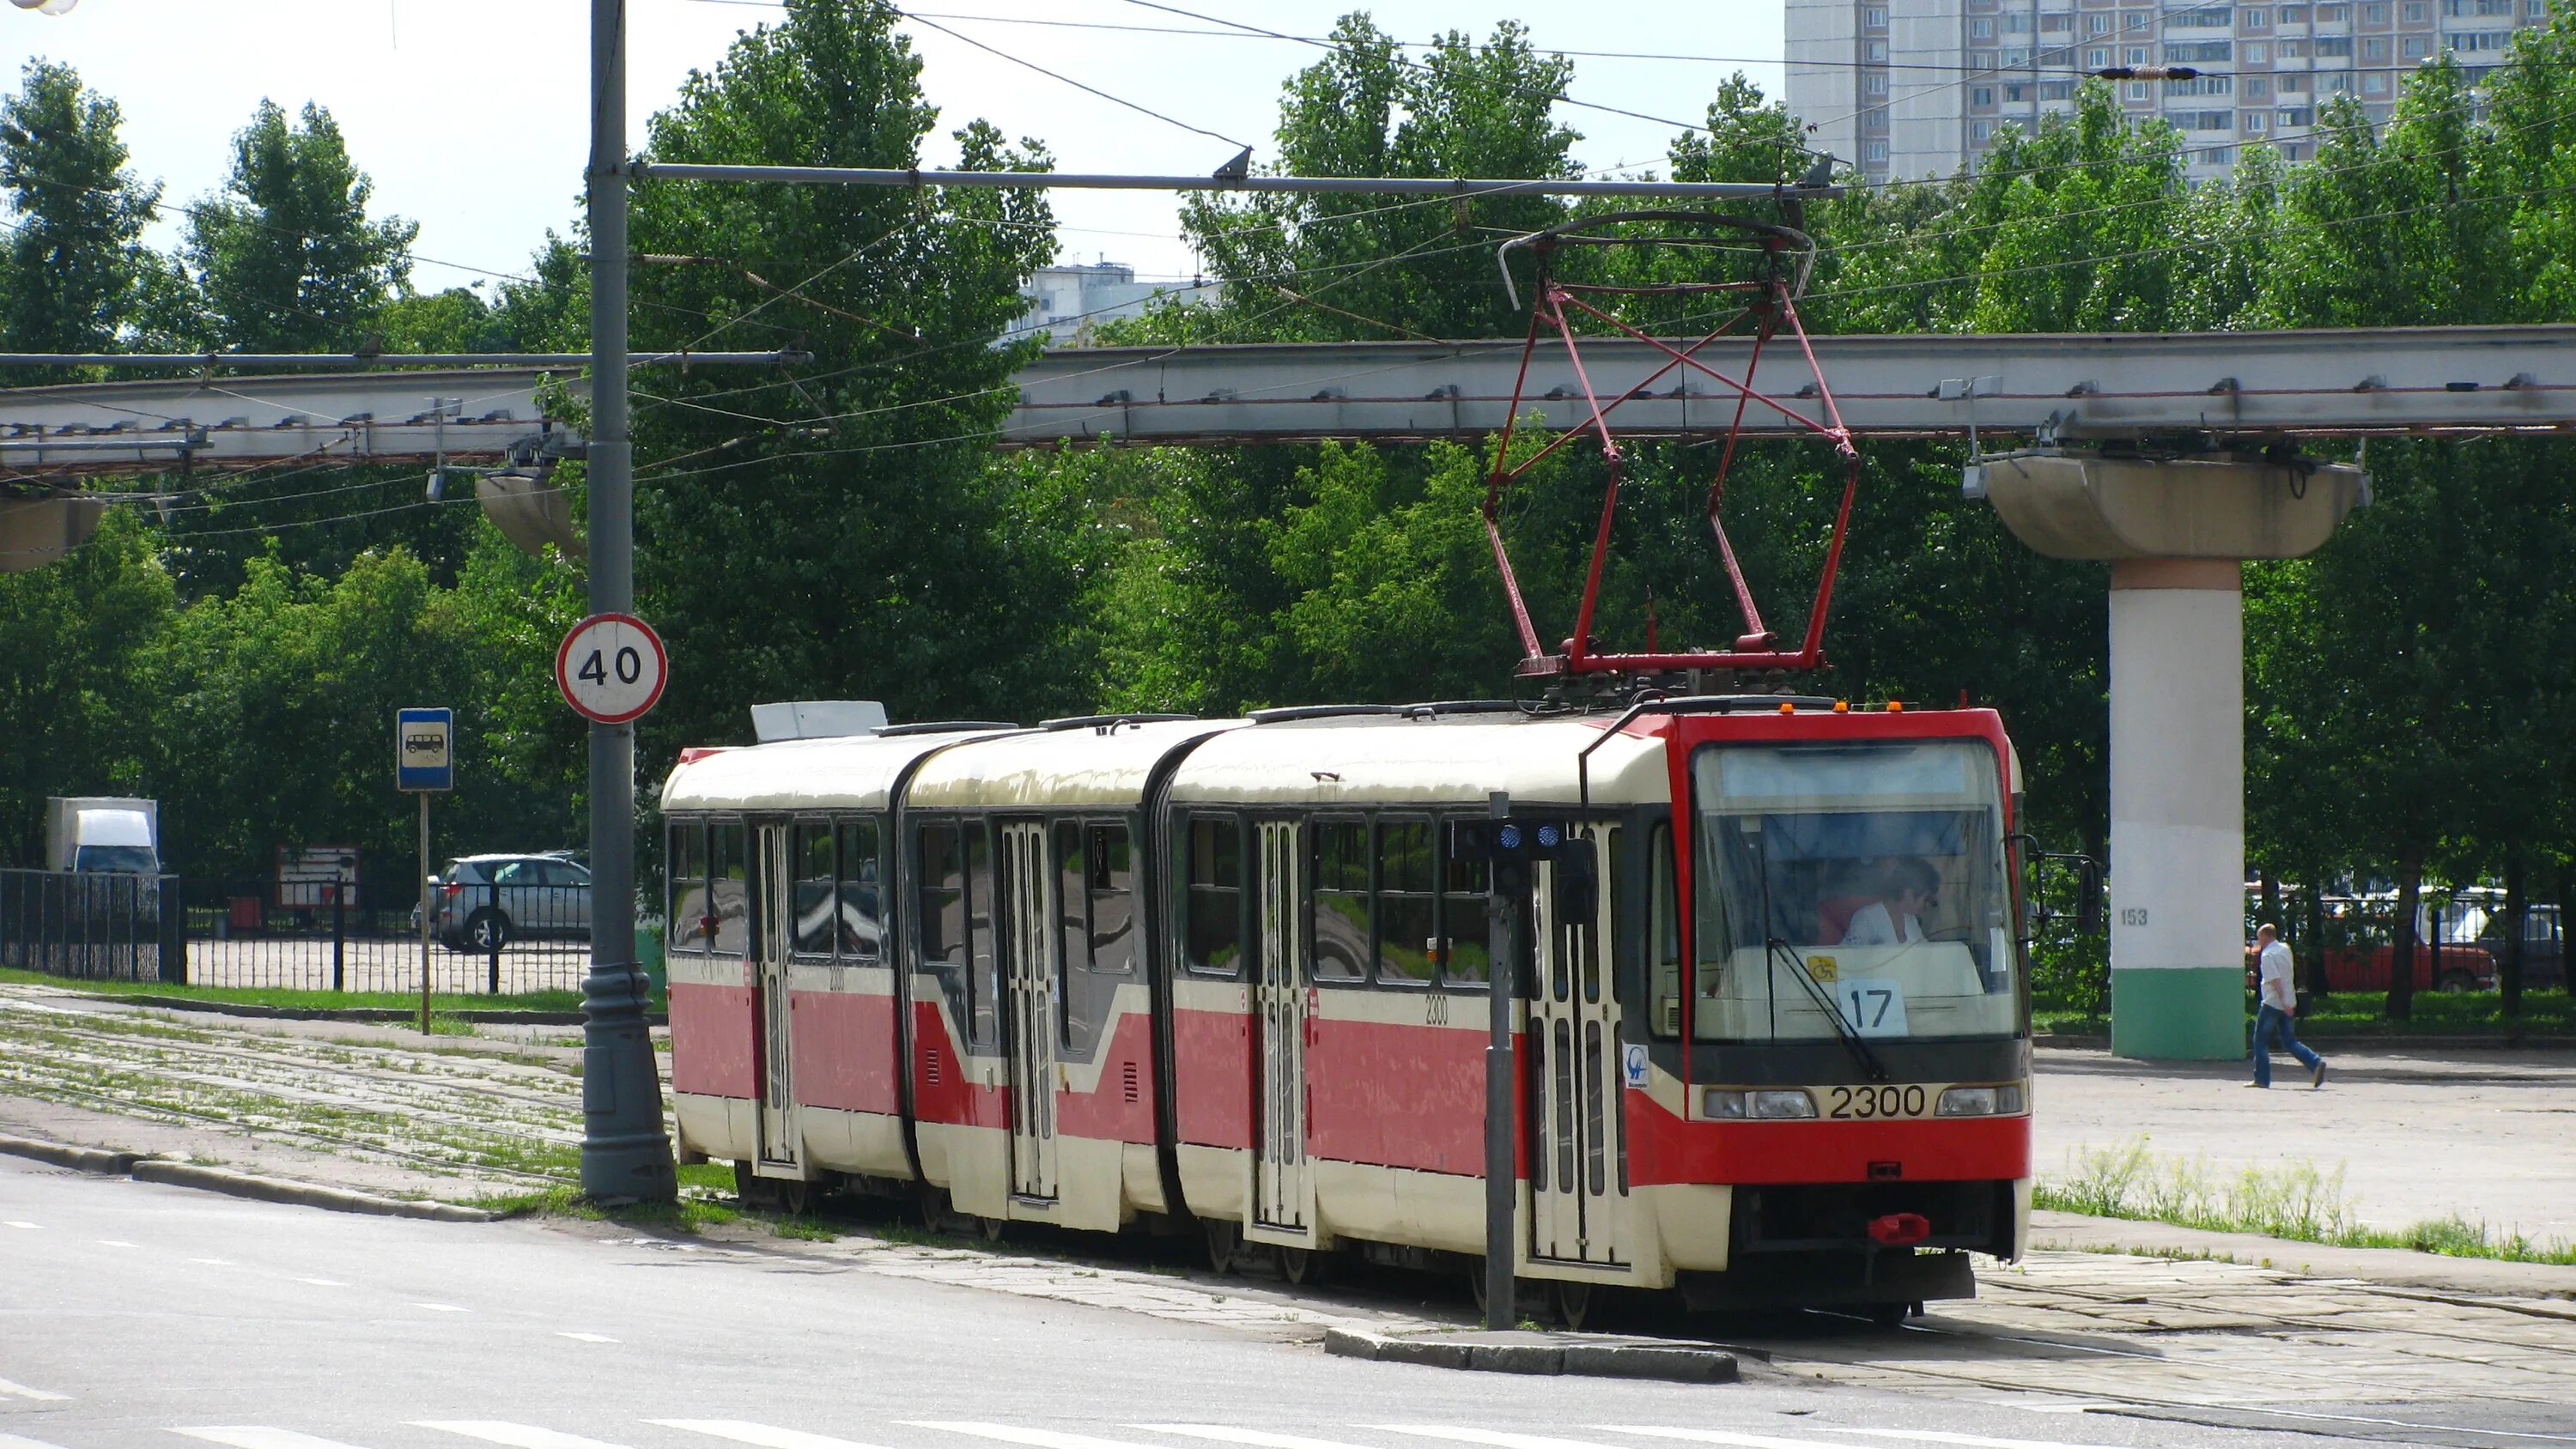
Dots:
(1912, 887)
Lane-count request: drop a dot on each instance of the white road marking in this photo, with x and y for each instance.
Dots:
(1034, 1438)
(12, 1441)
(1973, 1441)
(213, 1262)
(1501, 1440)
(260, 1436)
(583, 1337)
(516, 1436)
(762, 1435)
(9, 1390)
(2053, 1406)
(1258, 1438)
(1736, 1441)
(20, 1223)
(114, 1243)
(442, 1308)
(323, 1282)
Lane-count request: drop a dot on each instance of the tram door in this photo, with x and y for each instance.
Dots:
(782, 1149)
(1031, 995)
(1280, 1189)
(1579, 1148)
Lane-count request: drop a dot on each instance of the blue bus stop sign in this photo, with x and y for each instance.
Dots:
(425, 749)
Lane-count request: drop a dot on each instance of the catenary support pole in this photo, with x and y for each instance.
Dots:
(625, 1155)
(1502, 1164)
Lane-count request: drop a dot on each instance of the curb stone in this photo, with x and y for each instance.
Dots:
(235, 1184)
(78, 1159)
(1541, 1353)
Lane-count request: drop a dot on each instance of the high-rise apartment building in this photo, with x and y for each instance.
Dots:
(1911, 88)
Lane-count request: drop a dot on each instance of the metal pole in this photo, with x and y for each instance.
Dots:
(424, 913)
(1502, 1163)
(625, 1155)
(1351, 185)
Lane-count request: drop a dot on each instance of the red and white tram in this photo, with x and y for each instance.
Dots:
(1106, 972)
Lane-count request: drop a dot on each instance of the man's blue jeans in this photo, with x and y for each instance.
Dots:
(2267, 1021)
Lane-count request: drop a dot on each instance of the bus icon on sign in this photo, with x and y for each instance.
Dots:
(424, 749)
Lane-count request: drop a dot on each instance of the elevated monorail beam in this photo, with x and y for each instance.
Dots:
(2363, 380)
(220, 423)
(2359, 380)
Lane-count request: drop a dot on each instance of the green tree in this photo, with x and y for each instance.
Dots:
(76, 710)
(285, 258)
(72, 264)
(842, 529)
(300, 677)
(1334, 267)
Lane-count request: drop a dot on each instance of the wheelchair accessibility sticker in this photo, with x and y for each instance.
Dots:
(1632, 1063)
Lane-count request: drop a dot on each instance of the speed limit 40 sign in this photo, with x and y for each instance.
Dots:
(611, 667)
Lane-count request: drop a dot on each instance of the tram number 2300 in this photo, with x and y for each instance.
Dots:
(1865, 1102)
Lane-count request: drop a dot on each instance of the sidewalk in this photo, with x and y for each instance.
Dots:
(2480, 1133)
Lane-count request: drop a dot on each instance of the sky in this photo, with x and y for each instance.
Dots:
(470, 115)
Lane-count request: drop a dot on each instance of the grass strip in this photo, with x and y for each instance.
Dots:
(300, 1000)
(2362, 1015)
(2295, 1201)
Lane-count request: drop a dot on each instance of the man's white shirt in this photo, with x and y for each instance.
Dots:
(2277, 989)
(1875, 925)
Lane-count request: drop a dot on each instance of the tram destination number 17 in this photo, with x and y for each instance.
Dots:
(611, 668)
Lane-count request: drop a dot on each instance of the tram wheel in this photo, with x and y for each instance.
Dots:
(1892, 1315)
(1303, 1267)
(795, 1198)
(1575, 1303)
(992, 1228)
(1224, 1245)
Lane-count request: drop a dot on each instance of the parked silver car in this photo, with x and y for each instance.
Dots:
(484, 902)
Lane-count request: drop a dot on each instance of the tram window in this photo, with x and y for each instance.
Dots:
(812, 862)
(1466, 939)
(1112, 891)
(1215, 894)
(861, 933)
(1077, 1015)
(1664, 936)
(942, 873)
(686, 924)
(984, 961)
(1407, 932)
(1340, 948)
(1070, 896)
(729, 889)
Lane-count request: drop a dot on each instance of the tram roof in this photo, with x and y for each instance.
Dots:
(851, 772)
(1422, 758)
(1082, 765)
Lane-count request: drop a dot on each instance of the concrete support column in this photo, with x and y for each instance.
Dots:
(2174, 531)
(2177, 809)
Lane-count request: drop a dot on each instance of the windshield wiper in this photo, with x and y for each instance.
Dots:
(1859, 1049)
(1773, 948)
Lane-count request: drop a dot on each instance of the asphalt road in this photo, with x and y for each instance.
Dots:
(130, 1314)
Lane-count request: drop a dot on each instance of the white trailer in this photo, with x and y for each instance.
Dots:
(103, 833)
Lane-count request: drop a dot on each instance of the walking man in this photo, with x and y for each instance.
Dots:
(2277, 1001)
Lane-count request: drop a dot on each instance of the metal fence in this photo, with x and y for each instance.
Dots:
(485, 939)
(94, 927)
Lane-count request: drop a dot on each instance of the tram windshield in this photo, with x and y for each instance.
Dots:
(1866, 880)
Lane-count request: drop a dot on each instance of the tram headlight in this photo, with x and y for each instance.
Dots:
(1772, 1104)
(2003, 1101)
